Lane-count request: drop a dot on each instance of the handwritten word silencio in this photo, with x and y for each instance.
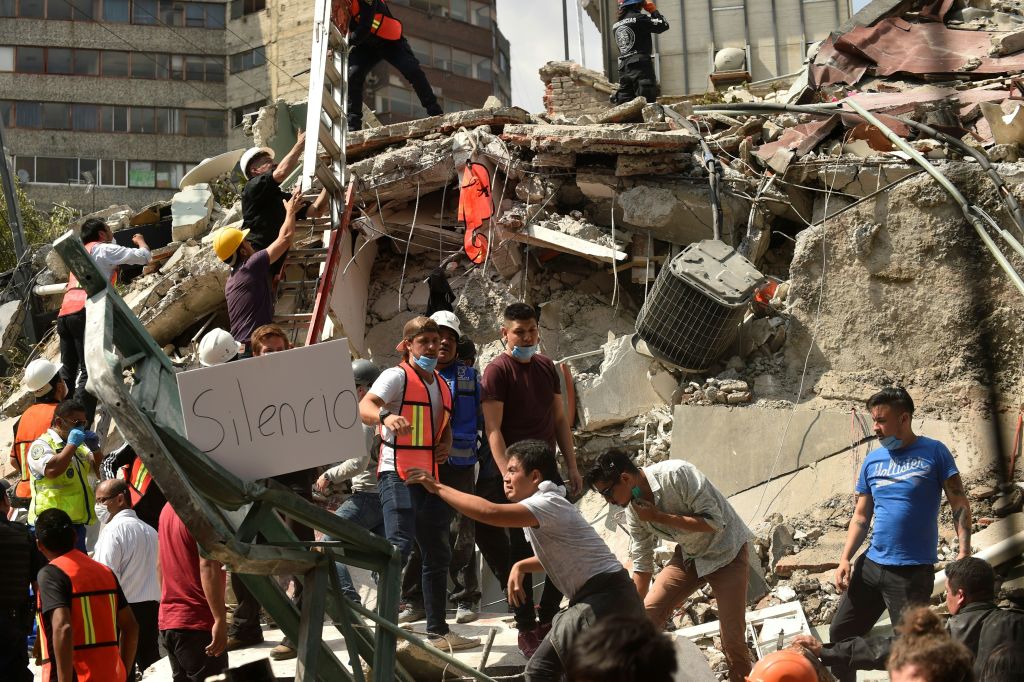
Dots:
(330, 412)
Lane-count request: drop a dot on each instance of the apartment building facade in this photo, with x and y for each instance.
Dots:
(112, 101)
(774, 34)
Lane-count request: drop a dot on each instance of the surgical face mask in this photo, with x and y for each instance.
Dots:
(890, 443)
(524, 352)
(101, 512)
(425, 363)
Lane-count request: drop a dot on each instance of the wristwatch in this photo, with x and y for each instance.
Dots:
(383, 414)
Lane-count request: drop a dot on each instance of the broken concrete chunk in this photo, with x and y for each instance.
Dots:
(607, 139)
(190, 212)
(1006, 43)
(615, 395)
(12, 317)
(630, 112)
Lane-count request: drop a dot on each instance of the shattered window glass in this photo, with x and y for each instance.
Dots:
(117, 11)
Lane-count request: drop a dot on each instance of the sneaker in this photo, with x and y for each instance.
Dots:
(466, 613)
(452, 642)
(234, 643)
(529, 642)
(410, 614)
(283, 652)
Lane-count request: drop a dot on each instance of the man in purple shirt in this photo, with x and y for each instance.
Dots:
(248, 291)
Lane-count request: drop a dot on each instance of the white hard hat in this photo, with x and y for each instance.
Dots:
(249, 155)
(446, 318)
(39, 374)
(217, 347)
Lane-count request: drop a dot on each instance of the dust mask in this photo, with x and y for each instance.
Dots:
(524, 352)
(425, 363)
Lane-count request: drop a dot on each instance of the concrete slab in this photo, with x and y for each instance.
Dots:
(737, 448)
(190, 212)
(624, 138)
(621, 391)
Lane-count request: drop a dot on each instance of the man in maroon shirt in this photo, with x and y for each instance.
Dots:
(249, 291)
(193, 617)
(527, 383)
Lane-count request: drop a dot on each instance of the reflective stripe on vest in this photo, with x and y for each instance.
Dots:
(70, 491)
(34, 423)
(416, 448)
(138, 478)
(94, 632)
(383, 26)
(74, 295)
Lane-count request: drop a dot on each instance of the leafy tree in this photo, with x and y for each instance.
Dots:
(37, 226)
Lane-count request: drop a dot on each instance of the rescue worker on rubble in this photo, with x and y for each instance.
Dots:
(633, 33)
(43, 380)
(98, 240)
(900, 486)
(263, 210)
(249, 294)
(375, 35)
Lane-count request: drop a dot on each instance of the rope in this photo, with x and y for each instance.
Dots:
(408, 243)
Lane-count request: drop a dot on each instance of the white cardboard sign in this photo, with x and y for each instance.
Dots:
(277, 413)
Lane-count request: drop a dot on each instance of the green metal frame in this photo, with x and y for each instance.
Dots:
(133, 378)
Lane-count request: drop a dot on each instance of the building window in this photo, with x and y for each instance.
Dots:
(87, 62)
(144, 12)
(32, 9)
(113, 173)
(141, 174)
(56, 170)
(117, 11)
(7, 8)
(480, 14)
(482, 69)
(6, 59)
(115, 64)
(249, 59)
(5, 112)
(143, 120)
(55, 116)
(240, 8)
(239, 113)
(30, 60)
(117, 119)
(25, 167)
(28, 115)
(85, 117)
(462, 63)
(397, 101)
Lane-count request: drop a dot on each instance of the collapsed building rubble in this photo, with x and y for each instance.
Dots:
(868, 274)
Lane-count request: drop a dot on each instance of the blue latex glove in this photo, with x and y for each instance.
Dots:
(92, 440)
(76, 437)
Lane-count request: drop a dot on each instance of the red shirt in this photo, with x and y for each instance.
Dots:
(528, 390)
(183, 603)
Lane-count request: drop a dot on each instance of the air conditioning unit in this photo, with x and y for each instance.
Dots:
(694, 310)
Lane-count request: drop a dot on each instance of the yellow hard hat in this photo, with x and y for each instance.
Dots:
(228, 239)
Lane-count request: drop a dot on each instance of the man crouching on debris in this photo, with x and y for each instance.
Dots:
(633, 33)
(567, 549)
(900, 485)
(262, 199)
(674, 501)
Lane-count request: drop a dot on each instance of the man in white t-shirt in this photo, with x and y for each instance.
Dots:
(567, 549)
(412, 405)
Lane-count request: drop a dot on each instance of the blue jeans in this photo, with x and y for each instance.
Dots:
(411, 514)
(364, 510)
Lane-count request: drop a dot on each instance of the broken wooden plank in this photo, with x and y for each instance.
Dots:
(535, 235)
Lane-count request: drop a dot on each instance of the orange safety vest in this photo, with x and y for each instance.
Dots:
(138, 478)
(385, 27)
(94, 631)
(35, 421)
(74, 295)
(416, 448)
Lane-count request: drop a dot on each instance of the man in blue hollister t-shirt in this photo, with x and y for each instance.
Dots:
(900, 485)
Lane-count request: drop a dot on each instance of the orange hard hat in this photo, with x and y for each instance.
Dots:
(783, 666)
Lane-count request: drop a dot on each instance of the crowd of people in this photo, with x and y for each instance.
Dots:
(453, 460)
